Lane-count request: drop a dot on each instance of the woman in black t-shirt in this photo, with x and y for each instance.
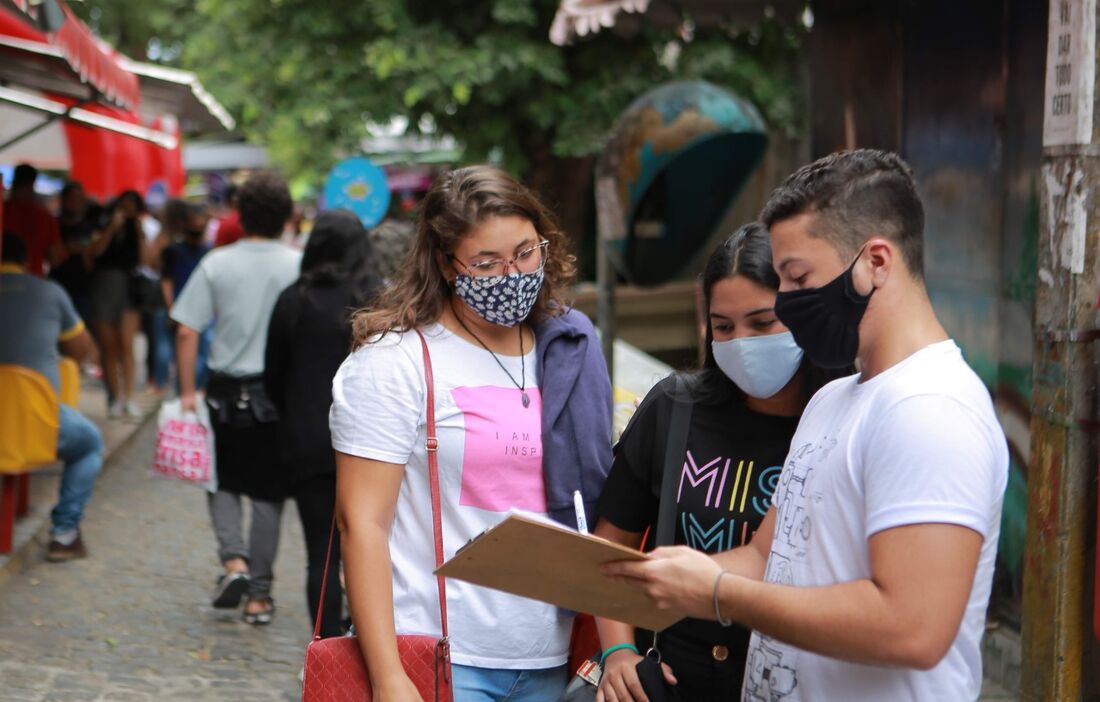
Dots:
(745, 405)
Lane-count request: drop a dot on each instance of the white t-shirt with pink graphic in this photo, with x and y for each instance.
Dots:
(490, 461)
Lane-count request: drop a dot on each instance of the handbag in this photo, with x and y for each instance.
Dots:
(335, 670)
(239, 402)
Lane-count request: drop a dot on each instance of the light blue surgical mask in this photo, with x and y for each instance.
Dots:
(759, 365)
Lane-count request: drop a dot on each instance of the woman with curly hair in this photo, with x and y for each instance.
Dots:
(523, 417)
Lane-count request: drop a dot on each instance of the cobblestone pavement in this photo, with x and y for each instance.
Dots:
(133, 621)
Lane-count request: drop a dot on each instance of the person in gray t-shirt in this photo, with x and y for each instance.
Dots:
(236, 287)
(40, 326)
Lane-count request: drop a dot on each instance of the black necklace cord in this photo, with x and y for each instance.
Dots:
(522, 386)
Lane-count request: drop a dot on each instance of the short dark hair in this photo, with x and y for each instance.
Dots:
(15, 250)
(195, 208)
(71, 186)
(175, 214)
(133, 196)
(264, 204)
(24, 176)
(856, 194)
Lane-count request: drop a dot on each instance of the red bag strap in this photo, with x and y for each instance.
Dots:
(432, 445)
(324, 579)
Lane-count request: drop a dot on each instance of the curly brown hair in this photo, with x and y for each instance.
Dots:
(458, 203)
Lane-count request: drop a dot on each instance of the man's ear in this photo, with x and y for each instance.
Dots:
(882, 257)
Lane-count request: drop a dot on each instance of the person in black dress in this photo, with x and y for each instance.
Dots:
(118, 248)
(308, 338)
(745, 406)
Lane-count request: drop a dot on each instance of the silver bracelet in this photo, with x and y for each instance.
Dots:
(717, 610)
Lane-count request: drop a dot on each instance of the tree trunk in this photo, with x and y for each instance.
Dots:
(565, 185)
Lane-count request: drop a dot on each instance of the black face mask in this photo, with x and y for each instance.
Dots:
(825, 321)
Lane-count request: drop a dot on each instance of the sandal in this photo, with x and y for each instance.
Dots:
(263, 617)
(229, 590)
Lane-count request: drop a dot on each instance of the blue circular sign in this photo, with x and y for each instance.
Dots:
(358, 185)
(156, 196)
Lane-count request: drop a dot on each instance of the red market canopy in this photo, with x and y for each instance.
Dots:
(70, 102)
(107, 149)
(45, 46)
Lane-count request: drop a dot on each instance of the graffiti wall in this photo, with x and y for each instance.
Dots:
(974, 145)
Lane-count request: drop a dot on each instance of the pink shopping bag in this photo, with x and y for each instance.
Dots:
(185, 445)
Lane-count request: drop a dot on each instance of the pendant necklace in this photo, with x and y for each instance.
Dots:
(522, 387)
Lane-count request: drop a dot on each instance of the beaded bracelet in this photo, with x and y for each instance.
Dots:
(717, 610)
(619, 647)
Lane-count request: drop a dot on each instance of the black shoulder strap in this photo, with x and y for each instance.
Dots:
(674, 463)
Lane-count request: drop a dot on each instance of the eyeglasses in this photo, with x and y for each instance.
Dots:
(485, 272)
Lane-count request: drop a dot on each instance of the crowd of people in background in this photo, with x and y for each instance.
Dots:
(201, 281)
(123, 263)
(473, 388)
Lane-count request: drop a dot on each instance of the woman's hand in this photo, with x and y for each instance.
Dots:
(620, 682)
(397, 688)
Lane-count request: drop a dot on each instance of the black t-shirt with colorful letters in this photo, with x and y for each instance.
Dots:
(730, 469)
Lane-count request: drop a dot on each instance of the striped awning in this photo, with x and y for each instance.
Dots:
(45, 46)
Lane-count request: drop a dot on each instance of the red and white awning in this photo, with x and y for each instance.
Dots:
(106, 149)
(112, 120)
(171, 91)
(69, 60)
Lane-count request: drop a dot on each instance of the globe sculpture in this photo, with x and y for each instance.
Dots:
(672, 167)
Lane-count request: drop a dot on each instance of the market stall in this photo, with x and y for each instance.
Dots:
(69, 102)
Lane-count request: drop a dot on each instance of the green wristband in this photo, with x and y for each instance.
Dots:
(619, 647)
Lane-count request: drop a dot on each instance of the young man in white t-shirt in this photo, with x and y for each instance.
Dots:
(235, 288)
(870, 576)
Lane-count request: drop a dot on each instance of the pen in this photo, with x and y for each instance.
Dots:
(578, 505)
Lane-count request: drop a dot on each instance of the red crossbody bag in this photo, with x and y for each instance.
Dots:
(335, 670)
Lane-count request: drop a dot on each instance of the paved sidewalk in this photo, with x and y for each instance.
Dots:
(133, 621)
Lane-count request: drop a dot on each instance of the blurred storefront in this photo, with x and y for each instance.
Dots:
(70, 103)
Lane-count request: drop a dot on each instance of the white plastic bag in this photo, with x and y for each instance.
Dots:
(185, 445)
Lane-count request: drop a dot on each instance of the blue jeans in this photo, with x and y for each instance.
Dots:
(80, 447)
(493, 685)
(160, 347)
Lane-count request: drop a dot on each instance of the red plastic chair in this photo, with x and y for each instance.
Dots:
(29, 422)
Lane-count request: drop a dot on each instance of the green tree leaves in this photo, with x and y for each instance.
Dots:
(305, 78)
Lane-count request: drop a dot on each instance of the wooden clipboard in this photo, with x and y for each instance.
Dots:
(553, 564)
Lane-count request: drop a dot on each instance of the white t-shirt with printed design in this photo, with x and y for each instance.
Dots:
(918, 443)
(490, 461)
